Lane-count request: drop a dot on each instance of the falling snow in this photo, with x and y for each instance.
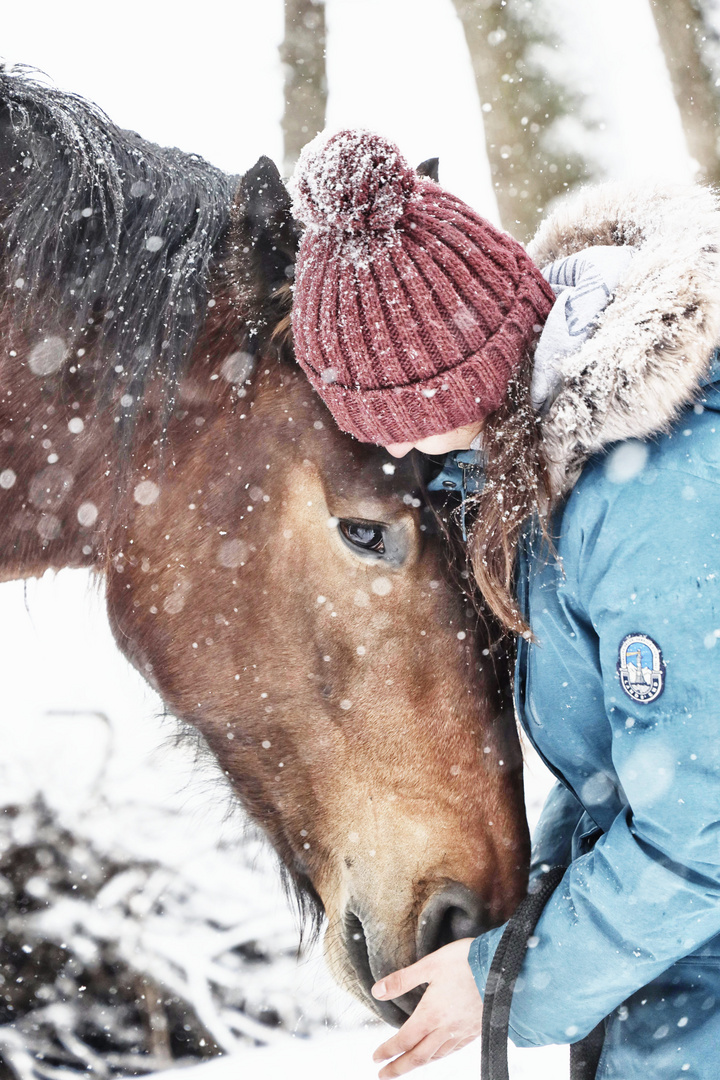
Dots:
(47, 356)
(626, 461)
(87, 514)
(195, 882)
(233, 553)
(382, 586)
(146, 492)
(238, 367)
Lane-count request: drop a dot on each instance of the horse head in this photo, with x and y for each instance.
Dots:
(286, 589)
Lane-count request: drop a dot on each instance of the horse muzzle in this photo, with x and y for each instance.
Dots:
(374, 949)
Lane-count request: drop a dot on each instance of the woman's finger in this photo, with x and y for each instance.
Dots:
(452, 1045)
(446, 1048)
(416, 1057)
(410, 1035)
(405, 979)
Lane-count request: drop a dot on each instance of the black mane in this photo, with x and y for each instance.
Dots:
(106, 233)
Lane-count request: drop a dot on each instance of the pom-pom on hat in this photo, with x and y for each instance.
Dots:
(410, 311)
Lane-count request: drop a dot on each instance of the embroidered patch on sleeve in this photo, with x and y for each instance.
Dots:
(641, 668)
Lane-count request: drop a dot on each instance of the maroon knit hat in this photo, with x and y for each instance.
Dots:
(410, 311)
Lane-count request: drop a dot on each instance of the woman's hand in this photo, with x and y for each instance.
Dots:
(448, 1017)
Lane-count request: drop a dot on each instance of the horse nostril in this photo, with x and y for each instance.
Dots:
(451, 913)
(456, 923)
(356, 945)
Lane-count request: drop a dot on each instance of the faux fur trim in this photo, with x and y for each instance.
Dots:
(652, 345)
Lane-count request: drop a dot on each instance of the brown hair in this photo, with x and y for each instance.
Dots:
(516, 489)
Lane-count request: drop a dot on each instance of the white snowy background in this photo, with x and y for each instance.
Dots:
(207, 78)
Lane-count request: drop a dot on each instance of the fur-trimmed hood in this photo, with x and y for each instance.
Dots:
(652, 345)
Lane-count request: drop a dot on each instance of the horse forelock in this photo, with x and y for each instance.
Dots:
(110, 235)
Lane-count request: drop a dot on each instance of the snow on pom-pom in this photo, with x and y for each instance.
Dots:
(353, 182)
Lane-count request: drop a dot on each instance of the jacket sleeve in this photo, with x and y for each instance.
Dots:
(641, 557)
(553, 835)
(552, 846)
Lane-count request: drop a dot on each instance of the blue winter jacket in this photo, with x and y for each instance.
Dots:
(620, 695)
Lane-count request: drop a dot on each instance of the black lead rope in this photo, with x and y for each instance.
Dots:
(584, 1055)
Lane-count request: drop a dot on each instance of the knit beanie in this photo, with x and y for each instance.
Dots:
(410, 311)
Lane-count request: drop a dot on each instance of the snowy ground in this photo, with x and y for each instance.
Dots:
(327, 1056)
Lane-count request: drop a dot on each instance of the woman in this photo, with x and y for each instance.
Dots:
(589, 380)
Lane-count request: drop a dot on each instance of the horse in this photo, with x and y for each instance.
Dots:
(281, 585)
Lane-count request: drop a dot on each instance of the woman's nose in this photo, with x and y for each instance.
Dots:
(399, 449)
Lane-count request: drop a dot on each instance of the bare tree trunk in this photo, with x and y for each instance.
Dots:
(684, 36)
(303, 56)
(520, 104)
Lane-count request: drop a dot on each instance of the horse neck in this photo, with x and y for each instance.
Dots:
(59, 470)
(67, 490)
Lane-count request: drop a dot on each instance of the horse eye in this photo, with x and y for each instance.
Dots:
(365, 537)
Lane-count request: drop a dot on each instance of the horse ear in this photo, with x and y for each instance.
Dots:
(274, 234)
(264, 190)
(429, 167)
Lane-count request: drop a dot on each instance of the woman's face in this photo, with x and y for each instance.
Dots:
(457, 439)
